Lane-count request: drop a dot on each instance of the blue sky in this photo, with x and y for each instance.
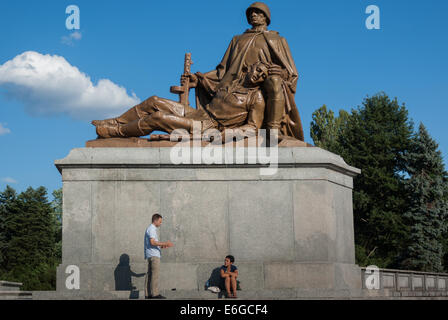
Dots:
(139, 46)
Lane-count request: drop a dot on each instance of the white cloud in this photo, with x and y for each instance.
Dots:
(4, 130)
(69, 40)
(9, 180)
(49, 85)
(76, 35)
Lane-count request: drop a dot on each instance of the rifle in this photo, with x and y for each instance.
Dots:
(184, 90)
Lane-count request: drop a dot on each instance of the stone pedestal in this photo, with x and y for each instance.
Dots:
(290, 230)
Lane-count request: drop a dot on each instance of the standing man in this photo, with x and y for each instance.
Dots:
(258, 44)
(152, 254)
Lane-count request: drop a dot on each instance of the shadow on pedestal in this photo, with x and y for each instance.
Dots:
(123, 277)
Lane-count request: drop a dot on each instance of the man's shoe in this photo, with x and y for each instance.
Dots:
(158, 297)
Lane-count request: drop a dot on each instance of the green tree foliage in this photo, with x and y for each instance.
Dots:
(427, 193)
(326, 128)
(28, 239)
(56, 205)
(374, 137)
(445, 230)
(6, 200)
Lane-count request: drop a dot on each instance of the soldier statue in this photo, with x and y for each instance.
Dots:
(253, 86)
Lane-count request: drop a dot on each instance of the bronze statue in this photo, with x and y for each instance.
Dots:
(239, 106)
(254, 45)
(221, 94)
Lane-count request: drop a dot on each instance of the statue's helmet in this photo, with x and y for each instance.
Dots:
(260, 6)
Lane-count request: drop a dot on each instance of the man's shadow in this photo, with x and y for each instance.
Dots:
(123, 277)
(215, 280)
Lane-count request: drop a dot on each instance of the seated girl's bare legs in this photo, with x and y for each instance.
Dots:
(234, 285)
(227, 285)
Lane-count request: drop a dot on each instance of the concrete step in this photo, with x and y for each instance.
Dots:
(284, 294)
(16, 295)
(404, 294)
(9, 286)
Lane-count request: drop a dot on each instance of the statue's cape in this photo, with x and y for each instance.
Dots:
(230, 69)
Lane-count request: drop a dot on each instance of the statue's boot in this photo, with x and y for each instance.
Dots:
(274, 116)
(127, 117)
(132, 129)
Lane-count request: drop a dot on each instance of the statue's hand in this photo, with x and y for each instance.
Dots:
(193, 80)
(276, 70)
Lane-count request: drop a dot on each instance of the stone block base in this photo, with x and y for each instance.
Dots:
(289, 230)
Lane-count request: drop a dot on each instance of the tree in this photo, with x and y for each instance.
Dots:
(56, 205)
(326, 128)
(399, 206)
(29, 232)
(7, 198)
(427, 198)
(445, 232)
(376, 137)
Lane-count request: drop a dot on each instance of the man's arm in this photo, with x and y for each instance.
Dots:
(163, 245)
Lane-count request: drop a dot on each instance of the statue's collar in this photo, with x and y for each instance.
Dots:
(256, 31)
(268, 32)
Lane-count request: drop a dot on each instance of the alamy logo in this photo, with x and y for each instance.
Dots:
(73, 21)
(372, 279)
(373, 21)
(237, 149)
(73, 280)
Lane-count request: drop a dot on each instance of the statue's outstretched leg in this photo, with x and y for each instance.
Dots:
(147, 107)
(166, 122)
(131, 115)
(141, 127)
